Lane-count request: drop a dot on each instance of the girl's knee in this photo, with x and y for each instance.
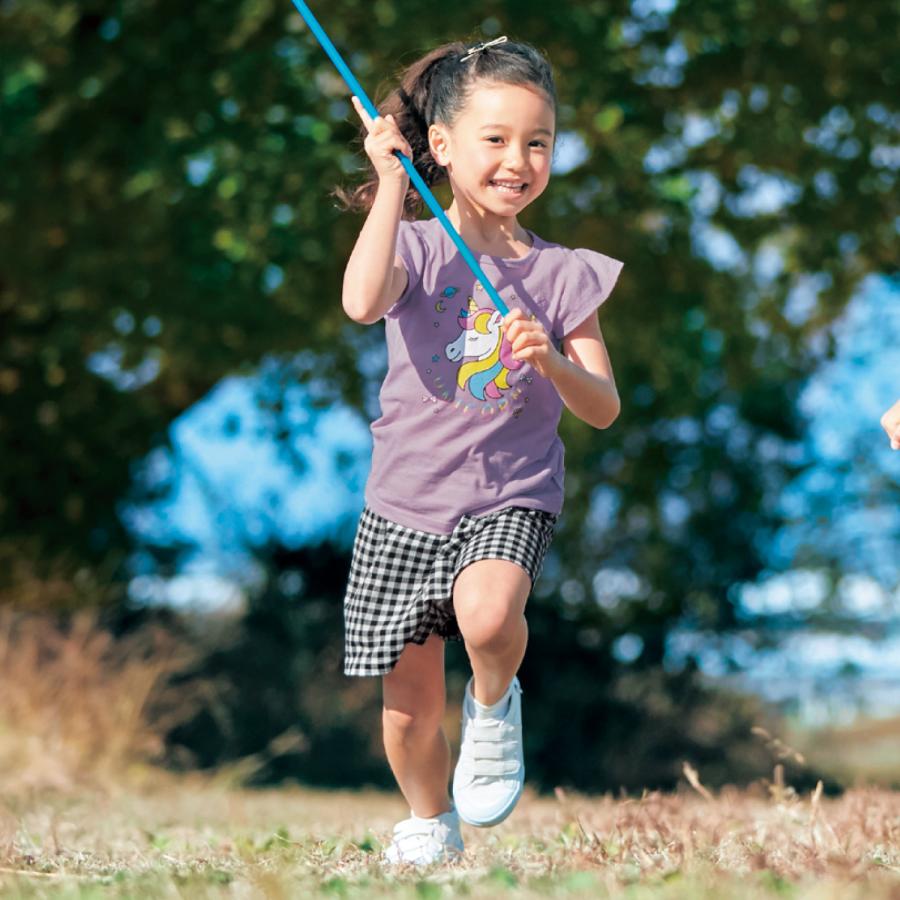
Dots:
(489, 599)
(489, 627)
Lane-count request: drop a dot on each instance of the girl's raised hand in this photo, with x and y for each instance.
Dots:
(384, 137)
(890, 422)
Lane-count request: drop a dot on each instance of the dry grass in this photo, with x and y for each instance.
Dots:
(84, 813)
(73, 701)
(193, 837)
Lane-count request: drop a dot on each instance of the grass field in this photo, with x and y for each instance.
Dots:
(192, 837)
(84, 814)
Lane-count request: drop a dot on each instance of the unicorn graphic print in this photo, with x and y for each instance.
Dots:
(484, 353)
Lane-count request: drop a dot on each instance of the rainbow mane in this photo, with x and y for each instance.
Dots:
(486, 376)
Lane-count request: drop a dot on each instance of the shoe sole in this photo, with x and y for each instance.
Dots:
(497, 818)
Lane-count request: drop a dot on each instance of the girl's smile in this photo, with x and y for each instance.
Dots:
(505, 187)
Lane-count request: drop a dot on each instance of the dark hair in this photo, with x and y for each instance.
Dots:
(436, 88)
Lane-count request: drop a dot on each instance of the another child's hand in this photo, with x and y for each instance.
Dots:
(384, 137)
(890, 421)
(530, 342)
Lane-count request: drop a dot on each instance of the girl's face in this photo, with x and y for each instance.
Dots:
(504, 134)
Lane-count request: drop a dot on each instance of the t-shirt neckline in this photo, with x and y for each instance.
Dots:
(496, 261)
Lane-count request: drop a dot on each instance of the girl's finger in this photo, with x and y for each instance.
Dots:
(387, 147)
(527, 339)
(389, 138)
(529, 327)
(361, 110)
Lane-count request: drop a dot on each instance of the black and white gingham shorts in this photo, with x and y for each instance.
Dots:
(400, 587)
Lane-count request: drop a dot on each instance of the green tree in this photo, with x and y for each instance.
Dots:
(164, 222)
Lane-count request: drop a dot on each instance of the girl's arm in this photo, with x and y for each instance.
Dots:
(583, 376)
(375, 276)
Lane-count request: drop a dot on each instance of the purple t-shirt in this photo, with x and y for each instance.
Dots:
(465, 428)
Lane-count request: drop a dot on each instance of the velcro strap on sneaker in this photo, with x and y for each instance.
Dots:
(484, 750)
(418, 840)
(492, 733)
(494, 767)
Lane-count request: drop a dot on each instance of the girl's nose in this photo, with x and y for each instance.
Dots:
(516, 163)
(515, 160)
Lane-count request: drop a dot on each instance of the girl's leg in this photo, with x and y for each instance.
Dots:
(489, 600)
(414, 741)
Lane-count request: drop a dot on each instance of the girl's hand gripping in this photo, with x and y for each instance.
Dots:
(531, 343)
(384, 137)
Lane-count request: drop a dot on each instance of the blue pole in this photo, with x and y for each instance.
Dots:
(405, 161)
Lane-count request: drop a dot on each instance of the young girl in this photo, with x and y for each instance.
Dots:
(466, 482)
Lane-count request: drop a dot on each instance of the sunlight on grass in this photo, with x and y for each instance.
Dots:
(85, 812)
(190, 837)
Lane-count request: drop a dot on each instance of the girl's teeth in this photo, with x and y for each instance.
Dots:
(503, 187)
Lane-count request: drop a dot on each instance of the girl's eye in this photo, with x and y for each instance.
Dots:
(539, 143)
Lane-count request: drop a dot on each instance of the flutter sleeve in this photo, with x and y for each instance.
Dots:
(592, 276)
(411, 250)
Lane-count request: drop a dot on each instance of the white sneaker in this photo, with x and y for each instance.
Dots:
(490, 773)
(425, 841)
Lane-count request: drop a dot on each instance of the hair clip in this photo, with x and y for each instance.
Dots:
(479, 47)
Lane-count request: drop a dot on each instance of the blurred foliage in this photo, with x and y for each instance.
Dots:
(276, 696)
(163, 223)
(269, 702)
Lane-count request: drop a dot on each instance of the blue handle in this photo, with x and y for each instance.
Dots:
(406, 162)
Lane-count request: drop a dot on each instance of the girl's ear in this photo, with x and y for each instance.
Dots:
(439, 144)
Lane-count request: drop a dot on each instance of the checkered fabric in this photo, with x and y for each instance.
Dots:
(400, 587)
